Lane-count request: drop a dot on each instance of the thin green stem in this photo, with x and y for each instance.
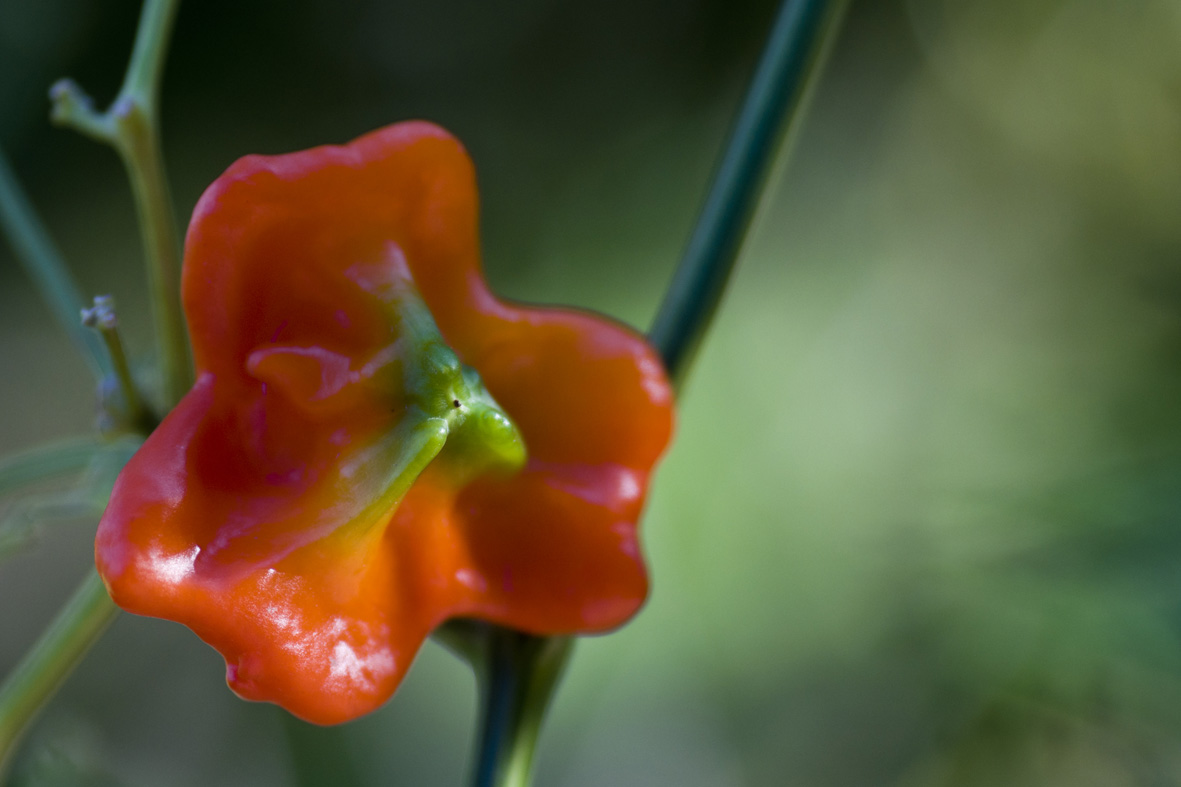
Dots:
(37, 253)
(132, 414)
(79, 624)
(132, 126)
(802, 34)
(46, 666)
(146, 68)
(161, 238)
(517, 677)
(47, 461)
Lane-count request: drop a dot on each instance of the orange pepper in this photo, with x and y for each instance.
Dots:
(348, 471)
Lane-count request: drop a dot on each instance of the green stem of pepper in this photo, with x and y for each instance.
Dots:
(479, 434)
(796, 47)
(517, 675)
(519, 672)
(77, 627)
(131, 125)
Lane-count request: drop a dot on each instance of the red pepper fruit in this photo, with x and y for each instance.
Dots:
(273, 512)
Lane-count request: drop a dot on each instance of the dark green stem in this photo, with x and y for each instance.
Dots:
(37, 253)
(517, 676)
(800, 37)
(518, 672)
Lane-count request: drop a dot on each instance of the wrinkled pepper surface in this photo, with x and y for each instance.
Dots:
(375, 443)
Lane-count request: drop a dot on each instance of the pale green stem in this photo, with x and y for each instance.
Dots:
(53, 657)
(36, 251)
(133, 415)
(132, 126)
(46, 462)
(79, 624)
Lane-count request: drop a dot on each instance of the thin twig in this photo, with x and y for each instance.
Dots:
(131, 414)
(131, 125)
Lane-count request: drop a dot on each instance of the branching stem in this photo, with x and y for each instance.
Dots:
(131, 125)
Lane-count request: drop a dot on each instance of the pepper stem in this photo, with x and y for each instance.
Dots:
(480, 435)
(517, 676)
(518, 672)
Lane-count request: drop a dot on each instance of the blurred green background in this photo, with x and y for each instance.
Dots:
(921, 524)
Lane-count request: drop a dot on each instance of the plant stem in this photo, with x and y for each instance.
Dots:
(162, 240)
(517, 677)
(802, 34)
(47, 461)
(518, 672)
(131, 414)
(78, 625)
(132, 126)
(37, 253)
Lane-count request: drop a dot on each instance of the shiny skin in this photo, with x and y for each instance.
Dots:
(263, 513)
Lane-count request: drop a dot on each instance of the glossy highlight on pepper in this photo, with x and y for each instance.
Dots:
(375, 443)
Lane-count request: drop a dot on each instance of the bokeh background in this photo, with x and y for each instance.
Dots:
(921, 525)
